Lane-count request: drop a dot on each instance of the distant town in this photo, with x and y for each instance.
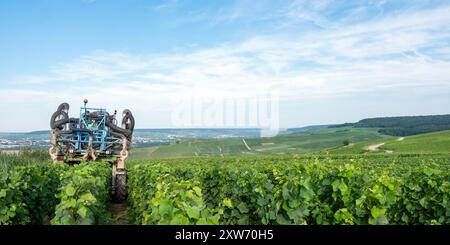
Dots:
(141, 137)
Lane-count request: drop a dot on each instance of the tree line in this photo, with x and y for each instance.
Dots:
(405, 125)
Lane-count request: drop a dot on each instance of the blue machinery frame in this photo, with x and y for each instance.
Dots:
(80, 141)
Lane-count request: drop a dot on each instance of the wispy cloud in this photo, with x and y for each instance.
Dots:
(364, 48)
(395, 51)
(367, 47)
(169, 4)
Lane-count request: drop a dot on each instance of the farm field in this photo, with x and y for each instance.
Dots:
(290, 144)
(306, 177)
(309, 189)
(436, 142)
(26, 158)
(423, 143)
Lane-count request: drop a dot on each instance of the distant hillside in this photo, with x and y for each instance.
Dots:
(141, 137)
(404, 126)
(436, 142)
(303, 129)
(429, 143)
(286, 144)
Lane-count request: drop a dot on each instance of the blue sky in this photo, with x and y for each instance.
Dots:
(329, 61)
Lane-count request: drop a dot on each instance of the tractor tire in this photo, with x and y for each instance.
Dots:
(57, 123)
(115, 129)
(73, 122)
(63, 107)
(120, 194)
(128, 120)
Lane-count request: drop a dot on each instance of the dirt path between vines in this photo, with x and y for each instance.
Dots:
(374, 147)
(220, 150)
(246, 146)
(119, 212)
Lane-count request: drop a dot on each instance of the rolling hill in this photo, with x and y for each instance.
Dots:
(290, 144)
(436, 142)
(404, 126)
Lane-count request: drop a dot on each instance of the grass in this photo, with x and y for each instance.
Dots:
(8, 162)
(436, 142)
(26, 157)
(292, 144)
(358, 148)
(441, 159)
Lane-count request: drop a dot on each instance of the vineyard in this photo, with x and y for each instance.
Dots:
(340, 189)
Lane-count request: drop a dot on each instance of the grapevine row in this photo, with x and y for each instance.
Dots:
(270, 191)
(54, 193)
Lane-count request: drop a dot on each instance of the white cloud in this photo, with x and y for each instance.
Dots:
(170, 4)
(398, 51)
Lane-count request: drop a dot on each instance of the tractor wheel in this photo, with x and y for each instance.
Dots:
(127, 120)
(120, 193)
(63, 107)
(58, 119)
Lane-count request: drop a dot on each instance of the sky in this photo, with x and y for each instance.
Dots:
(323, 61)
